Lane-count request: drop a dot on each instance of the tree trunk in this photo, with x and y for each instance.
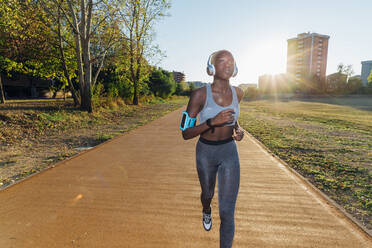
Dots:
(77, 33)
(85, 40)
(135, 96)
(65, 71)
(54, 94)
(2, 98)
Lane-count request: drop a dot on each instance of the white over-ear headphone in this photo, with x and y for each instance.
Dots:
(211, 70)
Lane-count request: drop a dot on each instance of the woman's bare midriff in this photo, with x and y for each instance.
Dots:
(220, 133)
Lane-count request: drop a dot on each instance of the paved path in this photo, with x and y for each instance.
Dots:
(141, 190)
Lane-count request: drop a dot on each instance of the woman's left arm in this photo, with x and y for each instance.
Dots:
(238, 130)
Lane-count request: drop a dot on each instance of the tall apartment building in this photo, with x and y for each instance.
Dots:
(178, 76)
(307, 56)
(366, 70)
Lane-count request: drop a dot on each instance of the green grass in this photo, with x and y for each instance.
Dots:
(330, 144)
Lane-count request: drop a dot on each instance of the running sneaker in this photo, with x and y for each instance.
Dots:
(207, 220)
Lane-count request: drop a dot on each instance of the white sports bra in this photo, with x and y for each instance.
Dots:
(211, 108)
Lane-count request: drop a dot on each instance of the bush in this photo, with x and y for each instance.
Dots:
(161, 83)
(97, 92)
(181, 89)
(250, 93)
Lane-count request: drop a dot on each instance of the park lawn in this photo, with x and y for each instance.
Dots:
(329, 142)
(35, 134)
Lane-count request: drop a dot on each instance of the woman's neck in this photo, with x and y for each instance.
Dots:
(221, 84)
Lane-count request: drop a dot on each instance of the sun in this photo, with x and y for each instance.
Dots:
(268, 57)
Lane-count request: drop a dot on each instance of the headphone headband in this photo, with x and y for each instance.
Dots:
(211, 70)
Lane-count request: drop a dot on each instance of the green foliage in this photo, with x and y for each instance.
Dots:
(161, 83)
(354, 84)
(250, 93)
(370, 79)
(120, 42)
(97, 92)
(336, 83)
(24, 39)
(181, 88)
(8, 65)
(27, 43)
(192, 87)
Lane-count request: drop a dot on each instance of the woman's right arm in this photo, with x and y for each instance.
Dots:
(193, 108)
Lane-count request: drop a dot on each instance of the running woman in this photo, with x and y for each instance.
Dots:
(217, 105)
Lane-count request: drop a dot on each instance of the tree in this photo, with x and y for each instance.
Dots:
(161, 83)
(89, 21)
(354, 84)
(181, 88)
(139, 17)
(250, 93)
(23, 40)
(338, 82)
(191, 87)
(2, 98)
(370, 78)
(345, 69)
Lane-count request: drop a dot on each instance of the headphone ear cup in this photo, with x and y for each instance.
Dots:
(211, 70)
(235, 71)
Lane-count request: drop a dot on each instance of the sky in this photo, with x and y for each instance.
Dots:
(256, 32)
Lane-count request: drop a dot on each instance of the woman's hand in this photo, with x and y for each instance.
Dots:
(239, 134)
(225, 116)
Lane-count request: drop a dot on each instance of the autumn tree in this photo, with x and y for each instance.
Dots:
(370, 78)
(23, 40)
(139, 18)
(95, 30)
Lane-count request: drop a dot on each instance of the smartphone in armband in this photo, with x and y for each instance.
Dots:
(186, 121)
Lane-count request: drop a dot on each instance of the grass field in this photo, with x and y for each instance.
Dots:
(328, 141)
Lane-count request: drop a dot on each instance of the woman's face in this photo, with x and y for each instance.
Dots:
(224, 65)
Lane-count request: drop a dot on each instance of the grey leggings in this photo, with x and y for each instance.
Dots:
(224, 159)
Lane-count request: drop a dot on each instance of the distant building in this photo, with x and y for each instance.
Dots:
(307, 57)
(334, 80)
(178, 76)
(25, 86)
(366, 70)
